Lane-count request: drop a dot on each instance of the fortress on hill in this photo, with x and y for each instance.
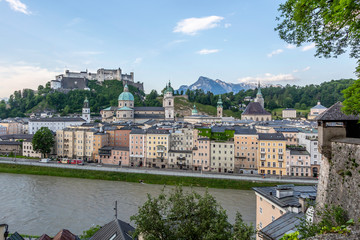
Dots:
(79, 80)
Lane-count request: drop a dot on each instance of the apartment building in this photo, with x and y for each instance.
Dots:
(28, 150)
(181, 159)
(246, 150)
(120, 137)
(138, 147)
(76, 143)
(158, 145)
(222, 156)
(54, 124)
(101, 139)
(182, 139)
(298, 162)
(283, 203)
(201, 154)
(290, 134)
(309, 140)
(114, 155)
(271, 154)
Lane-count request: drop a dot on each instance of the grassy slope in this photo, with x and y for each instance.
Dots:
(184, 106)
(133, 177)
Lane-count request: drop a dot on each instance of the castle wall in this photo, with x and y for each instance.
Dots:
(339, 181)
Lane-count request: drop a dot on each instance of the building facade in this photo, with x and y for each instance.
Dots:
(138, 147)
(289, 113)
(54, 124)
(246, 145)
(158, 145)
(298, 162)
(222, 156)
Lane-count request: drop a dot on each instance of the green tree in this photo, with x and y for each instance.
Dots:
(242, 230)
(181, 215)
(43, 141)
(352, 99)
(332, 25)
(87, 234)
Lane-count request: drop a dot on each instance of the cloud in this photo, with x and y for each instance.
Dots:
(18, 6)
(88, 53)
(275, 52)
(290, 46)
(227, 25)
(268, 78)
(306, 69)
(18, 77)
(207, 51)
(308, 47)
(138, 60)
(192, 26)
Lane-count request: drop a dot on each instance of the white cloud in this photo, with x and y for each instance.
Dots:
(207, 51)
(308, 47)
(88, 53)
(18, 6)
(268, 78)
(138, 60)
(275, 52)
(192, 26)
(290, 46)
(18, 77)
(306, 69)
(227, 25)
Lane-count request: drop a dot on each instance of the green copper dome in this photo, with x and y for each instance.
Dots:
(126, 95)
(194, 111)
(169, 88)
(219, 102)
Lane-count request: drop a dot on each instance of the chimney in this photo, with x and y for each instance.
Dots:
(285, 191)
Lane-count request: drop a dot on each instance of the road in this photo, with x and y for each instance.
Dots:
(166, 172)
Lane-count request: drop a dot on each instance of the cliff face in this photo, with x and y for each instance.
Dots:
(339, 181)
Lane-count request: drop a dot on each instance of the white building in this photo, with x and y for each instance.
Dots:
(28, 150)
(289, 113)
(309, 140)
(54, 124)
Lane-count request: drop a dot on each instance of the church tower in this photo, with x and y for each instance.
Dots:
(219, 107)
(259, 97)
(86, 111)
(168, 102)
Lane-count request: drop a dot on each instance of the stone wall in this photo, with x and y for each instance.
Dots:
(339, 181)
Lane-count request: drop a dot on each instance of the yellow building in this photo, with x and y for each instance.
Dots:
(246, 150)
(75, 143)
(271, 151)
(101, 139)
(158, 144)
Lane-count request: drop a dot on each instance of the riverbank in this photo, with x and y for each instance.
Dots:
(134, 177)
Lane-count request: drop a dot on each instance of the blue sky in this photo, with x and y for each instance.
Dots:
(230, 40)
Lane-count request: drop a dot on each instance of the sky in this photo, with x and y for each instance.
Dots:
(159, 41)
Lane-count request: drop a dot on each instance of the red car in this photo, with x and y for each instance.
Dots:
(77, 161)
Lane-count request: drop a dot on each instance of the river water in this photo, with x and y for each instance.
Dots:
(41, 204)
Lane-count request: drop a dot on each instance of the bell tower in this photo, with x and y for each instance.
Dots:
(219, 107)
(168, 102)
(86, 111)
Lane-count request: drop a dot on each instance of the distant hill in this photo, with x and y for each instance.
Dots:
(216, 86)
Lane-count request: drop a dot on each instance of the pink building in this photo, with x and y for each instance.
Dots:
(114, 155)
(137, 147)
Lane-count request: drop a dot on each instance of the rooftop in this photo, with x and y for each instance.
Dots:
(57, 119)
(255, 108)
(271, 136)
(334, 113)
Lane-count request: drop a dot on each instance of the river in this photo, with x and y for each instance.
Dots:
(35, 205)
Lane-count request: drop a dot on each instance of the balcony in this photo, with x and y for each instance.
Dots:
(195, 148)
(262, 158)
(262, 151)
(181, 158)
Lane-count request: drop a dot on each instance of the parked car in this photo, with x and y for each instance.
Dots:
(64, 160)
(45, 160)
(77, 161)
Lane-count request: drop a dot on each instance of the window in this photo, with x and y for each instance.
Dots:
(260, 210)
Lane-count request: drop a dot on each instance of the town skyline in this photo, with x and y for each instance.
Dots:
(234, 42)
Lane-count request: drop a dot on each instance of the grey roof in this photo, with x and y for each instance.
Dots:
(57, 119)
(334, 113)
(318, 106)
(149, 108)
(157, 131)
(15, 236)
(255, 108)
(271, 136)
(293, 201)
(16, 136)
(287, 223)
(115, 148)
(121, 229)
(299, 152)
(10, 143)
(138, 131)
(149, 116)
(245, 131)
(286, 130)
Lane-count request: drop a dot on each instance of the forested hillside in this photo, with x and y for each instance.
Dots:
(105, 95)
(299, 97)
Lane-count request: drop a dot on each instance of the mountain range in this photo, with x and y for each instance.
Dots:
(216, 86)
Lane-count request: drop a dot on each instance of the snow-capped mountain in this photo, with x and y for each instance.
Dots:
(216, 86)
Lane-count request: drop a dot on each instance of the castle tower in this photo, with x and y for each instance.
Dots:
(86, 111)
(168, 102)
(259, 97)
(219, 107)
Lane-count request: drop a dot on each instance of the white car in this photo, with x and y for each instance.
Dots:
(45, 160)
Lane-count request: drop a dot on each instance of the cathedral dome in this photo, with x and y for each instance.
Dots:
(126, 95)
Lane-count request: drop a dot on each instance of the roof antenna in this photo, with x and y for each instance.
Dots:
(115, 209)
